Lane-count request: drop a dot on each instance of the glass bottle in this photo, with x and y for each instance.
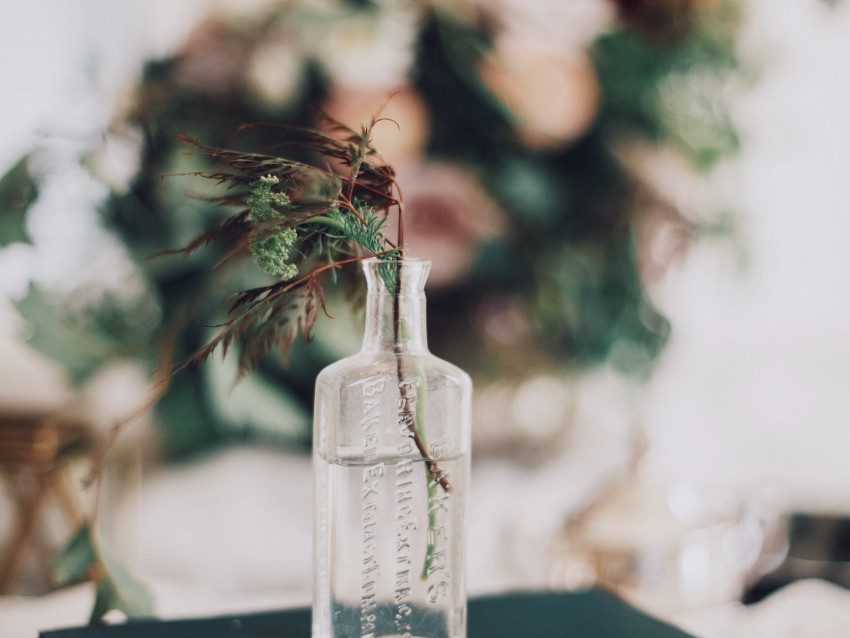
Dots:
(391, 458)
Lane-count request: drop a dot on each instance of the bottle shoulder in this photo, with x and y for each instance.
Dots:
(366, 365)
(449, 369)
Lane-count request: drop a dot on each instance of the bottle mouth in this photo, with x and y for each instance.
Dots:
(404, 260)
(411, 273)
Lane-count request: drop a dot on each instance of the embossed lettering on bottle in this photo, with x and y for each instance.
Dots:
(391, 454)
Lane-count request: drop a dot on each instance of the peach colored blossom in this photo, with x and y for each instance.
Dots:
(553, 94)
(448, 215)
(400, 140)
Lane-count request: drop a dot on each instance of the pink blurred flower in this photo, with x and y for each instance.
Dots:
(400, 140)
(213, 60)
(448, 215)
(553, 94)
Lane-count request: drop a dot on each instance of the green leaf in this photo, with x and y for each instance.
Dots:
(17, 192)
(255, 405)
(82, 338)
(75, 346)
(188, 425)
(82, 558)
(124, 592)
(102, 601)
(74, 561)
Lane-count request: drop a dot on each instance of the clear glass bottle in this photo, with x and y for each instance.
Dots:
(391, 457)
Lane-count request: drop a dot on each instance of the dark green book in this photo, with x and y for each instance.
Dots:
(591, 614)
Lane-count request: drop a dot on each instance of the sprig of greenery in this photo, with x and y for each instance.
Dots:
(365, 230)
(300, 218)
(300, 222)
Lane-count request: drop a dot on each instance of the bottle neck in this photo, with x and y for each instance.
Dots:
(395, 322)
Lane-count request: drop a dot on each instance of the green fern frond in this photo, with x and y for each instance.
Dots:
(365, 229)
(301, 223)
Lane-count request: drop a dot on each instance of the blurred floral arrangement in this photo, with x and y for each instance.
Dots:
(517, 131)
(520, 133)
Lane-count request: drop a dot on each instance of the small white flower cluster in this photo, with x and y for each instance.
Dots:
(271, 248)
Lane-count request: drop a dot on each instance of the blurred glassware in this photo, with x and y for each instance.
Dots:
(817, 545)
(666, 549)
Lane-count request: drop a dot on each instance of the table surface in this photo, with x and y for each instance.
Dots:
(590, 614)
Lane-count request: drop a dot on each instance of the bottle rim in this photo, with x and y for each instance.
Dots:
(403, 260)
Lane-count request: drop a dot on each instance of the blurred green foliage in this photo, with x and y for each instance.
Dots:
(84, 558)
(17, 191)
(567, 261)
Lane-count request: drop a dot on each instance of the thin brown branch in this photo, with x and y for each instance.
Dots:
(392, 201)
(403, 374)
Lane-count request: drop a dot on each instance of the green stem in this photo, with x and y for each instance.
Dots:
(430, 484)
(434, 476)
(402, 372)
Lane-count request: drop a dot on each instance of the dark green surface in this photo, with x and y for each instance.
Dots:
(592, 614)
